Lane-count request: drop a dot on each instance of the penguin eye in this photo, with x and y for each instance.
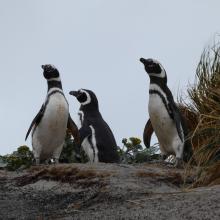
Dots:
(82, 97)
(154, 68)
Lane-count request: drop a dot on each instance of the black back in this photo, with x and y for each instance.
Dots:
(106, 144)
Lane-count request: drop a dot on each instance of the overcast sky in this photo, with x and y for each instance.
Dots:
(96, 44)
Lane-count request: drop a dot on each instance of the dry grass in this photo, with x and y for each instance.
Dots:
(144, 174)
(63, 173)
(205, 118)
(209, 176)
(171, 176)
(192, 118)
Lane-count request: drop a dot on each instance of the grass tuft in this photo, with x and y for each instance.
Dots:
(204, 117)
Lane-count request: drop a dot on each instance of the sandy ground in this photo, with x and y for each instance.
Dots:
(104, 191)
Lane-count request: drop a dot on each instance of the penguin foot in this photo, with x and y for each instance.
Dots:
(54, 161)
(163, 157)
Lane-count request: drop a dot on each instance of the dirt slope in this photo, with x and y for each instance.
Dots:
(104, 191)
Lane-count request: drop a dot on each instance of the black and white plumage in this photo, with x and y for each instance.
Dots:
(165, 117)
(96, 137)
(50, 124)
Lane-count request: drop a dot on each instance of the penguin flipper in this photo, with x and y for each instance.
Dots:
(36, 120)
(73, 129)
(85, 132)
(177, 119)
(148, 131)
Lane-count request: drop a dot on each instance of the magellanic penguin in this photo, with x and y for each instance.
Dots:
(50, 124)
(165, 117)
(97, 139)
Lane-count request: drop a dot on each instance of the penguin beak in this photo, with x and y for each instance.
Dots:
(147, 62)
(142, 60)
(74, 93)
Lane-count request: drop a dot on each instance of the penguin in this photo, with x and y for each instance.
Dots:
(97, 139)
(165, 117)
(50, 124)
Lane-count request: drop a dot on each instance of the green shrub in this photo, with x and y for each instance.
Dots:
(22, 158)
(72, 153)
(133, 152)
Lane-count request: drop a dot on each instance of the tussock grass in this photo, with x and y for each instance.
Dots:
(204, 117)
(192, 119)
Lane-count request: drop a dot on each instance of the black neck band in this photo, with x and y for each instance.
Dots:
(54, 83)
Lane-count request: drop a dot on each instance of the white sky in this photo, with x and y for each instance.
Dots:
(96, 44)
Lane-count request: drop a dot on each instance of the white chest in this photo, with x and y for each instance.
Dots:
(163, 125)
(157, 105)
(80, 119)
(159, 116)
(90, 146)
(50, 132)
(56, 112)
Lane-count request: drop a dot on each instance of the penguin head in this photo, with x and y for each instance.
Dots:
(86, 97)
(50, 72)
(154, 68)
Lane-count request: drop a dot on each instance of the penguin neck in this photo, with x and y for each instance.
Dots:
(90, 110)
(159, 81)
(163, 86)
(54, 84)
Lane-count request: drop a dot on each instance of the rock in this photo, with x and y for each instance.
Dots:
(104, 191)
